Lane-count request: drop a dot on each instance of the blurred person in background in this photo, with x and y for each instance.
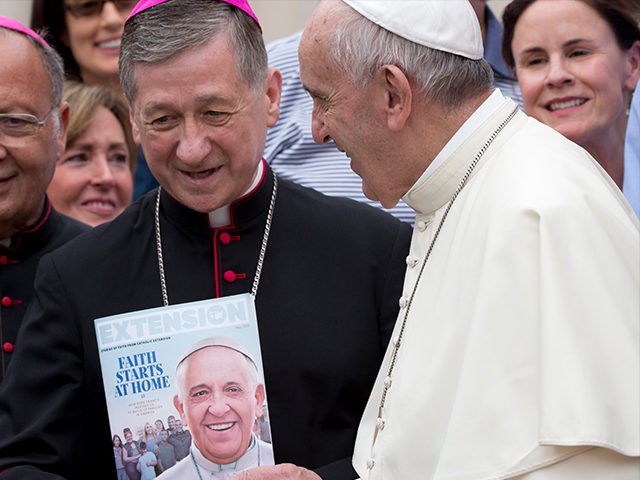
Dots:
(492, 32)
(93, 180)
(631, 185)
(578, 63)
(87, 34)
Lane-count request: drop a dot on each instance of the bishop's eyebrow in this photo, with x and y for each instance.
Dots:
(221, 100)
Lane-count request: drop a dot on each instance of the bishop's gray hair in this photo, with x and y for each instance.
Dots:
(360, 48)
(156, 34)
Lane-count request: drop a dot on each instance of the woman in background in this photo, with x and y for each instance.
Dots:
(87, 34)
(577, 63)
(93, 180)
(149, 437)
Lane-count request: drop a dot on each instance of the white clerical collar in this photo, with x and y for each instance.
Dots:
(221, 217)
(483, 112)
(250, 459)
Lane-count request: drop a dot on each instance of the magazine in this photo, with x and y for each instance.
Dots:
(162, 386)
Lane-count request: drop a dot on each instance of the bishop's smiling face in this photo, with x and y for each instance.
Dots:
(219, 399)
(201, 125)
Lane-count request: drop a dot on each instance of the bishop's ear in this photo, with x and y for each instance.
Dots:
(135, 131)
(273, 89)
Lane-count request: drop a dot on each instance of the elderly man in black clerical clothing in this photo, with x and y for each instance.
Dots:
(33, 125)
(325, 273)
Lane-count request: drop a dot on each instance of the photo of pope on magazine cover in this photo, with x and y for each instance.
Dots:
(185, 390)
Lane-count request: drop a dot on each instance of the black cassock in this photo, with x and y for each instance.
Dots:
(18, 263)
(326, 305)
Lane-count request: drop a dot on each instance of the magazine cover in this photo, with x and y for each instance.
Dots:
(185, 391)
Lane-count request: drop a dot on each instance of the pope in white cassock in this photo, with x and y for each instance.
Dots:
(516, 353)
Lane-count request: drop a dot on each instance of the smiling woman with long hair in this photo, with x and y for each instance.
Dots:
(87, 35)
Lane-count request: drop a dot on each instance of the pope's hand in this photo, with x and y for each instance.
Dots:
(283, 471)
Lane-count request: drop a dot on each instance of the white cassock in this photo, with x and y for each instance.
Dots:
(522, 345)
(196, 467)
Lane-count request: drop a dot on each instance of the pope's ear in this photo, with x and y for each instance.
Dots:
(180, 408)
(397, 95)
(260, 396)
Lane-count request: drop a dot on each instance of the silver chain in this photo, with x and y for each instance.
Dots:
(265, 238)
(163, 280)
(263, 247)
(398, 342)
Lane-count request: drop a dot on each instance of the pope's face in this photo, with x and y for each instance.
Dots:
(201, 126)
(348, 115)
(219, 399)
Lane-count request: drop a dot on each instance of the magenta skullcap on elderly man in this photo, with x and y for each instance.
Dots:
(447, 25)
(16, 26)
(243, 5)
